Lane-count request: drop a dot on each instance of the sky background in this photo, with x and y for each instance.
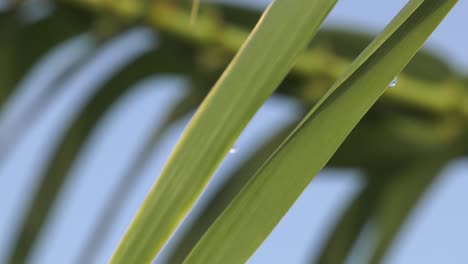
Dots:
(434, 234)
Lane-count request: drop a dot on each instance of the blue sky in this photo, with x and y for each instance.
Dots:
(435, 233)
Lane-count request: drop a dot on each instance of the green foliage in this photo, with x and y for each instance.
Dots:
(401, 144)
(252, 76)
(254, 213)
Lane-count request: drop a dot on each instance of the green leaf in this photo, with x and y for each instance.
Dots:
(264, 60)
(253, 214)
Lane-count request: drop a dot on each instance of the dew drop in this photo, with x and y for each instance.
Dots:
(233, 150)
(394, 82)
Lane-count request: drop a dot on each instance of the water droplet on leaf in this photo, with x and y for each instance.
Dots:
(394, 82)
(233, 150)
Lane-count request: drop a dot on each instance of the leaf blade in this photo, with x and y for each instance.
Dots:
(258, 68)
(254, 212)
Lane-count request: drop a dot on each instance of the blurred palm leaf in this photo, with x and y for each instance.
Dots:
(79, 132)
(17, 35)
